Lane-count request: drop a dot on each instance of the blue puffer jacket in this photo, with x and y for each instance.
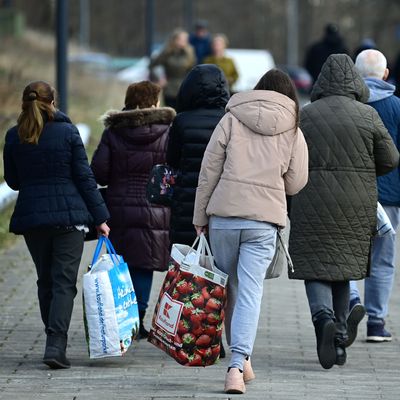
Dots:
(388, 107)
(56, 185)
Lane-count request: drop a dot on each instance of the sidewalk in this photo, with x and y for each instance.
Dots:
(284, 359)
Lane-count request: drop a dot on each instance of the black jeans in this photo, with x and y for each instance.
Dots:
(330, 299)
(56, 253)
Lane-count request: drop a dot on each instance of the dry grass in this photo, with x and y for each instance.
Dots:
(32, 58)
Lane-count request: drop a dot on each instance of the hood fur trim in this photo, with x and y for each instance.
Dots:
(138, 117)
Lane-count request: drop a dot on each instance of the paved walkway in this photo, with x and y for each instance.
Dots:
(284, 358)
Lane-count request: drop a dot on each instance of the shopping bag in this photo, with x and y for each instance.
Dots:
(111, 315)
(189, 315)
(383, 226)
(281, 259)
(160, 186)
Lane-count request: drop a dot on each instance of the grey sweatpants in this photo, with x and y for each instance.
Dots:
(244, 254)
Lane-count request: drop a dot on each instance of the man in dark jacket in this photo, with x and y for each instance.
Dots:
(372, 65)
(331, 43)
(200, 39)
(334, 216)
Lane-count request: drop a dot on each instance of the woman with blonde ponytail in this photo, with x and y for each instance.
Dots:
(37, 100)
(45, 160)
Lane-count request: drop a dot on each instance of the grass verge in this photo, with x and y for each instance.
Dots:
(6, 238)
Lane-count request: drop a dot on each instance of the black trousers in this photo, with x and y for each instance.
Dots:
(56, 253)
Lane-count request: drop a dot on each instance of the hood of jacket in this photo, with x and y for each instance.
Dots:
(204, 87)
(264, 111)
(144, 125)
(379, 89)
(339, 77)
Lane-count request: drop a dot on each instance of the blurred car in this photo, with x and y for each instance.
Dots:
(137, 72)
(300, 77)
(251, 65)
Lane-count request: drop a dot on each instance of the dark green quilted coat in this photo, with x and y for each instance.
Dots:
(334, 216)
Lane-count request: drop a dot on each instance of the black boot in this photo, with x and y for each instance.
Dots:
(143, 332)
(325, 333)
(54, 355)
(341, 355)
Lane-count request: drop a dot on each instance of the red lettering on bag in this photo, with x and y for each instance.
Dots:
(167, 307)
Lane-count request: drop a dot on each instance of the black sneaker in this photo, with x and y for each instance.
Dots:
(376, 333)
(357, 313)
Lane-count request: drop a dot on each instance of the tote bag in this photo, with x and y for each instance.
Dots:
(281, 260)
(189, 315)
(111, 313)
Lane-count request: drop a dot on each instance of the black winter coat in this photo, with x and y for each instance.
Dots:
(132, 143)
(201, 104)
(334, 216)
(56, 185)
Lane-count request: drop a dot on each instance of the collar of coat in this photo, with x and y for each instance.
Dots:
(138, 117)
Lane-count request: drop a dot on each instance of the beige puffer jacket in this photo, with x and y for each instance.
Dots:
(255, 156)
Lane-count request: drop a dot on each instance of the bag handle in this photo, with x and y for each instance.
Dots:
(206, 250)
(110, 250)
(97, 251)
(203, 249)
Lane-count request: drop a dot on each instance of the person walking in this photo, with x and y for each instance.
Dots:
(200, 39)
(45, 160)
(331, 43)
(218, 57)
(334, 218)
(176, 59)
(256, 155)
(202, 98)
(134, 140)
(372, 66)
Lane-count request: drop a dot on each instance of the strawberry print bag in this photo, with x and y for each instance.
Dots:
(189, 315)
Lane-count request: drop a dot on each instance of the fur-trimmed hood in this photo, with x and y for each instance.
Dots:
(140, 126)
(138, 117)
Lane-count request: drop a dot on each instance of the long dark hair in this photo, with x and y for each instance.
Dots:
(280, 82)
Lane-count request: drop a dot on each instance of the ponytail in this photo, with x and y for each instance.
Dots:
(37, 102)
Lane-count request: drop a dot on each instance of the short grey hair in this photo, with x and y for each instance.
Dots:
(371, 64)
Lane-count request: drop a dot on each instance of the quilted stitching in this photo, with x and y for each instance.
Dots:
(334, 217)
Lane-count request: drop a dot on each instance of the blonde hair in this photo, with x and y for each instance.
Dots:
(37, 100)
(170, 46)
(221, 36)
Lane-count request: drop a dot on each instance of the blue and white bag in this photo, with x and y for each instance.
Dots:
(111, 313)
